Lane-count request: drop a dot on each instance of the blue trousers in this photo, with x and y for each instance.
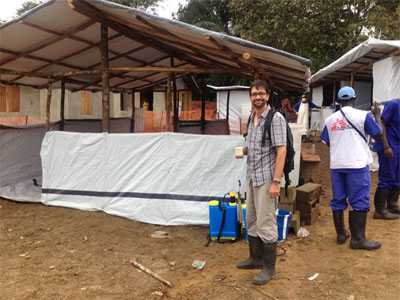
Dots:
(350, 186)
(389, 170)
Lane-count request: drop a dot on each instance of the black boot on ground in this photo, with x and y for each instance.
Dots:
(380, 199)
(255, 255)
(269, 260)
(393, 199)
(358, 223)
(338, 220)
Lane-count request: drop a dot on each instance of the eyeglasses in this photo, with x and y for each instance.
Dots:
(255, 94)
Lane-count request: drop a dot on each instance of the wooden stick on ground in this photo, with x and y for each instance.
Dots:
(150, 272)
(266, 294)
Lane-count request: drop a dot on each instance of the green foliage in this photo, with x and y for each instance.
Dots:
(137, 3)
(28, 5)
(210, 14)
(317, 29)
(384, 19)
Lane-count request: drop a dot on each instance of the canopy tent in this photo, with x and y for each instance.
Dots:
(61, 39)
(372, 68)
(56, 44)
(357, 63)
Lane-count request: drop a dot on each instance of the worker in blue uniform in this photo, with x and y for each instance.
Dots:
(388, 189)
(345, 133)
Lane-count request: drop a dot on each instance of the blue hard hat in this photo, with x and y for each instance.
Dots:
(346, 93)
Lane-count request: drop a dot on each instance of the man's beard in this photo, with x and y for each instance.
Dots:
(259, 104)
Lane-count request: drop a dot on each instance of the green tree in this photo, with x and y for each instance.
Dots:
(210, 14)
(29, 4)
(317, 29)
(384, 19)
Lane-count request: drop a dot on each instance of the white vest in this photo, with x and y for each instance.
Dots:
(347, 148)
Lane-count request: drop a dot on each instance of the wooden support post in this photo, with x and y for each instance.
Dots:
(352, 79)
(176, 100)
(133, 112)
(48, 106)
(334, 92)
(62, 105)
(168, 102)
(105, 124)
(203, 112)
(227, 111)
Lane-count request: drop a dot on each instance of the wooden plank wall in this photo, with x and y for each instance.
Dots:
(10, 98)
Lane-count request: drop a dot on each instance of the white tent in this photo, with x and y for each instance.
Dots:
(372, 68)
(237, 98)
(358, 61)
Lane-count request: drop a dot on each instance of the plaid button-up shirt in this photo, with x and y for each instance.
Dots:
(261, 159)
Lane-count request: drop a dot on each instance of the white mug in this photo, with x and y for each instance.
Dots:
(239, 152)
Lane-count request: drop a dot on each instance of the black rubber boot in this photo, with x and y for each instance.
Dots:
(393, 200)
(380, 199)
(269, 260)
(358, 223)
(338, 220)
(255, 255)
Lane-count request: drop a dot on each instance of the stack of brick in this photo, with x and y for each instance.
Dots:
(307, 202)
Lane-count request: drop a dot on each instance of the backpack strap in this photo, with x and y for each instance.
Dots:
(354, 127)
(267, 126)
(248, 124)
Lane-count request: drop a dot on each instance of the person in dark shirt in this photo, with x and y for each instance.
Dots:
(305, 99)
(388, 190)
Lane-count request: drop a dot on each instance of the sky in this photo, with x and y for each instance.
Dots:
(8, 8)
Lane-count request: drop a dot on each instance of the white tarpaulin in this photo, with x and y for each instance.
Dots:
(386, 79)
(371, 45)
(160, 178)
(239, 105)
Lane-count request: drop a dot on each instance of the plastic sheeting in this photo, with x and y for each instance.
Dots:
(20, 155)
(20, 163)
(386, 79)
(355, 54)
(162, 178)
(156, 178)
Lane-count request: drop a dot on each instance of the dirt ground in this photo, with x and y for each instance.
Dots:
(58, 253)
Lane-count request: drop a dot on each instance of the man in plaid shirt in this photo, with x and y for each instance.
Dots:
(264, 172)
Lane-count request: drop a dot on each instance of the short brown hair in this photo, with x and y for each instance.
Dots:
(259, 84)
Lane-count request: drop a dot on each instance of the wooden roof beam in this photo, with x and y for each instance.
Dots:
(385, 55)
(232, 55)
(257, 68)
(90, 43)
(245, 64)
(53, 78)
(92, 12)
(48, 42)
(34, 57)
(94, 82)
(58, 61)
(144, 77)
(167, 32)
